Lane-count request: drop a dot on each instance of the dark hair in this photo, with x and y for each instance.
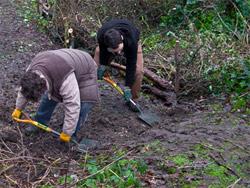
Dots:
(112, 38)
(32, 86)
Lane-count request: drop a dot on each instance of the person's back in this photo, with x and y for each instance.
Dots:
(70, 76)
(64, 62)
(125, 27)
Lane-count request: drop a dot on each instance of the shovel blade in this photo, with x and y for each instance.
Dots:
(149, 118)
(87, 144)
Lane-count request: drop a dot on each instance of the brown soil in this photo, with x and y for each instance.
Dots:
(111, 122)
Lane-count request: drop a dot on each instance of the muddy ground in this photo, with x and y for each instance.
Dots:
(111, 122)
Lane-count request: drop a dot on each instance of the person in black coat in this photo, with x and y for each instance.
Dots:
(121, 37)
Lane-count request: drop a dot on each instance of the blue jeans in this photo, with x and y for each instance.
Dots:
(47, 107)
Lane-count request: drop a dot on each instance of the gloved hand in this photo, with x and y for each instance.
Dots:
(127, 93)
(16, 114)
(101, 71)
(64, 137)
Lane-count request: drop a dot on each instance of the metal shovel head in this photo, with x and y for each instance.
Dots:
(87, 145)
(149, 117)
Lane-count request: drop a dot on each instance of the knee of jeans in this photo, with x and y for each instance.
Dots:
(43, 121)
(46, 96)
(85, 106)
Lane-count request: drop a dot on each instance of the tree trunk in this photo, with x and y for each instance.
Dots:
(177, 72)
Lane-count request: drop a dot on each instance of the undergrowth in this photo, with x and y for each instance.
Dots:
(213, 40)
(214, 61)
(106, 170)
(204, 165)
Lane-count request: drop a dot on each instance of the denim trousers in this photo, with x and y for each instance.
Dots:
(47, 107)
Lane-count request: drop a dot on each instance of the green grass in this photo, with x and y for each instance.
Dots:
(198, 163)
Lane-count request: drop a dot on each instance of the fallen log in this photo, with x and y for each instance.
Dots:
(151, 75)
(169, 97)
(158, 80)
(148, 73)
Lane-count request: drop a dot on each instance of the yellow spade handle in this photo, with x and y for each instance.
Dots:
(28, 120)
(109, 80)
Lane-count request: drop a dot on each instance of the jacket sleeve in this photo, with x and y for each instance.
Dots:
(21, 101)
(131, 60)
(71, 101)
(104, 54)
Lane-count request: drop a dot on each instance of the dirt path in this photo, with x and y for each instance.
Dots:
(111, 122)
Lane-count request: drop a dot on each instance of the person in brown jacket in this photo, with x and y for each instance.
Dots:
(65, 75)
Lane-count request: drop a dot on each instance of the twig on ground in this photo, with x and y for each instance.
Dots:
(195, 167)
(16, 158)
(69, 159)
(46, 172)
(233, 185)
(86, 177)
(244, 94)
(48, 167)
(220, 164)
(6, 146)
(28, 175)
(85, 161)
(44, 176)
(205, 146)
(21, 135)
(235, 144)
(6, 169)
(11, 180)
(116, 175)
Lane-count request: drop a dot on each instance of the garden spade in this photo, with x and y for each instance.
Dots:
(82, 146)
(147, 117)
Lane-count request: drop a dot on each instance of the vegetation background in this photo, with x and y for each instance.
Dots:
(213, 36)
(214, 62)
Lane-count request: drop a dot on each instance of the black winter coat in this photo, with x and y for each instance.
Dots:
(130, 39)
